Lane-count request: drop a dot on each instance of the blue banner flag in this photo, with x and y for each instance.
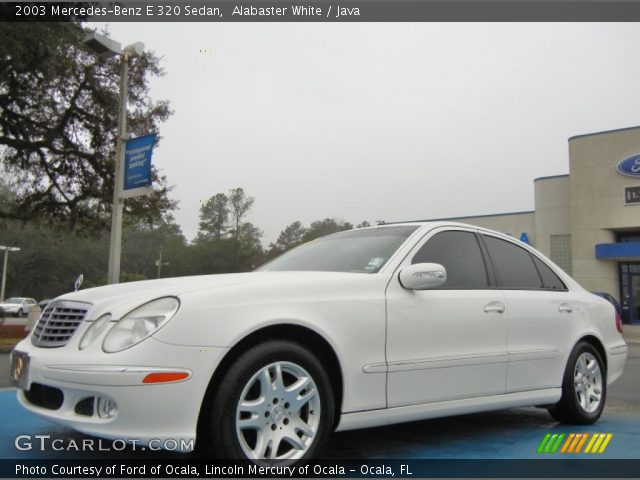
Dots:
(137, 161)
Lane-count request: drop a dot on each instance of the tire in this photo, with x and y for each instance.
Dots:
(584, 387)
(275, 403)
(20, 313)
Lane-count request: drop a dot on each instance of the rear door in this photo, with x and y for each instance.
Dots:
(540, 311)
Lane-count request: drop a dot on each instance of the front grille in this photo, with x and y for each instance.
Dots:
(44, 396)
(58, 323)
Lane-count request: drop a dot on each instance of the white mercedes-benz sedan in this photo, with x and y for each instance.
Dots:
(367, 327)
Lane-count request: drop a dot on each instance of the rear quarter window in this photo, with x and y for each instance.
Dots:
(550, 280)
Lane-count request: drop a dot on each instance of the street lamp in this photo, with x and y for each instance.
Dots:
(160, 263)
(4, 268)
(105, 47)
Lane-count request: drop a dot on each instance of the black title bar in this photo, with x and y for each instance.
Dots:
(328, 11)
(190, 468)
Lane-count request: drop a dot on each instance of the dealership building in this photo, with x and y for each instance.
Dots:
(588, 222)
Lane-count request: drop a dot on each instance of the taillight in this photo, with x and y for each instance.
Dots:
(618, 322)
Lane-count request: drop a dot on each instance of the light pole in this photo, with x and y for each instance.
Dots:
(105, 48)
(159, 262)
(4, 267)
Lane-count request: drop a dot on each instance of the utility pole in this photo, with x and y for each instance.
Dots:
(106, 47)
(159, 263)
(4, 266)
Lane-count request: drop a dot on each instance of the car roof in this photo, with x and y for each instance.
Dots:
(438, 223)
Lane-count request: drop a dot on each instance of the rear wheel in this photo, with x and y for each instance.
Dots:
(274, 403)
(584, 387)
(20, 313)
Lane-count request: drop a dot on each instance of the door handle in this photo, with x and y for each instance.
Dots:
(496, 307)
(565, 308)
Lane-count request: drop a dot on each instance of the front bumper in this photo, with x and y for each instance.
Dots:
(146, 412)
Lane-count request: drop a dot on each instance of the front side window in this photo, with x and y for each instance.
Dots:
(514, 266)
(356, 251)
(459, 253)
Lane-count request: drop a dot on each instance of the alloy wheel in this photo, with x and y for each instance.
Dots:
(278, 414)
(587, 380)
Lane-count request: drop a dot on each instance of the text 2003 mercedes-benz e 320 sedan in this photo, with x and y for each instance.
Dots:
(361, 328)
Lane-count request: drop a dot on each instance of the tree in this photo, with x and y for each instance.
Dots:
(214, 217)
(141, 251)
(240, 204)
(290, 237)
(225, 241)
(50, 259)
(58, 122)
(324, 227)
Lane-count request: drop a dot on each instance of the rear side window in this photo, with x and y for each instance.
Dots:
(550, 280)
(514, 266)
(460, 254)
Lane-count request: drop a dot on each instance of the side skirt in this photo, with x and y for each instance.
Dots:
(388, 416)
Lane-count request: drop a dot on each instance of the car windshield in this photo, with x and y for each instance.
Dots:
(13, 300)
(358, 251)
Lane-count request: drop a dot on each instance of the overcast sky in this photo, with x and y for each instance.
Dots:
(381, 121)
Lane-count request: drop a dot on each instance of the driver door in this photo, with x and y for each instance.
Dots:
(450, 342)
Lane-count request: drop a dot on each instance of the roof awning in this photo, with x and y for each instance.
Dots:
(619, 252)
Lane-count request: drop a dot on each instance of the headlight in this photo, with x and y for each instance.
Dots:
(140, 323)
(94, 331)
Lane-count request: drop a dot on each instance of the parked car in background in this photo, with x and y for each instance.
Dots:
(608, 297)
(361, 328)
(18, 306)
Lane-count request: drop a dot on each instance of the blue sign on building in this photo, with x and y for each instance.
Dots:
(524, 238)
(137, 161)
(630, 166)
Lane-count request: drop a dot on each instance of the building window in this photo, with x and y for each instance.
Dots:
(561, 251)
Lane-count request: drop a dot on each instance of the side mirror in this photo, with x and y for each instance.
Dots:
(423, 276)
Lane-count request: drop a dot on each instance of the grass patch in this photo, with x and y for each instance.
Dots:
(9, 342)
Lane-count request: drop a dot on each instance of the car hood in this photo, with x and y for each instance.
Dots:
(121, 297)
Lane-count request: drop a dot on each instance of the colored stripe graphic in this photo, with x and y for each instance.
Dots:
(576, 439)
(591, 442)
(608, 438)
(556, 445)
(581, 443)
(565, 447)
(595, 443)
(543, 443)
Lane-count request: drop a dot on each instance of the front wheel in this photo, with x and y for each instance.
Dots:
(584, 387)
(20, 313)
(275, 403)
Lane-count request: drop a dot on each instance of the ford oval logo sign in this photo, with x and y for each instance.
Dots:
(630, 166)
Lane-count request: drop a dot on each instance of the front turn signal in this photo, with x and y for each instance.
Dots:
(164, 377)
